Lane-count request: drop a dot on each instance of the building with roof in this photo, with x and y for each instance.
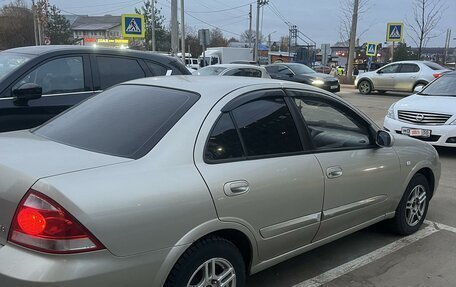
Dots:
(95, 29)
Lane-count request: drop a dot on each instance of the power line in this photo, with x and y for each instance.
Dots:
(222, 10)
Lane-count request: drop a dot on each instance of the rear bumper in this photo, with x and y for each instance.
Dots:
(26, 268)
(440, 135)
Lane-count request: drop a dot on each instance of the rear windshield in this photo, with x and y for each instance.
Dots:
(443, 86)
(126, 121)
(210, 71)
(434, 66)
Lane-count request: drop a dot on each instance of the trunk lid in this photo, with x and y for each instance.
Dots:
(25, 158)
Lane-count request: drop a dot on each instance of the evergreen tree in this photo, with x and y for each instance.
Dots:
(58, 28)
(162, 35)
(403, 53)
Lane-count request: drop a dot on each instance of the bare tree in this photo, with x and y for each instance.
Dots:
(346, 16)
(426, 16)
(16, 25)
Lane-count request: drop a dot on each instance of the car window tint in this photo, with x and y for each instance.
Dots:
(284, 71)
(122, 121)
(62, 75)
(224, 142)
(114, 70)
(267, 127)
(409, 68)
(390, 69)
(272, 69)
(332, 126)
(244, 72)
(156, 69)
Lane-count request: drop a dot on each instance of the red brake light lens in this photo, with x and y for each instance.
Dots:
(42, 224)
(438, 75)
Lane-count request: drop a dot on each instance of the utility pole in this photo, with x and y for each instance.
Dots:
(260, 3)
(447, 45)
(174, 28)
(250, 27)
(154, 48)
(351, 49)
(34, 22)
(183, 31)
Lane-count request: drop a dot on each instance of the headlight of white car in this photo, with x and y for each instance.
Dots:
(391, 112)
(318, 82)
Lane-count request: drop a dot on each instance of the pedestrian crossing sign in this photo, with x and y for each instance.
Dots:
(371, 49)
(395, 32)
(133, 26)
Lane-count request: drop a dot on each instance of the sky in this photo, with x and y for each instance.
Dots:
(317, 19)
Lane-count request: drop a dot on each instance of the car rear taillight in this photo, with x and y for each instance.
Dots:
(42, 224)
(438, 75)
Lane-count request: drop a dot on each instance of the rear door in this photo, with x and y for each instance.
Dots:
(406, 77)
(65, 81)
(255, 164)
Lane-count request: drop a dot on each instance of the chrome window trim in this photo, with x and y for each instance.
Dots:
(60, 94)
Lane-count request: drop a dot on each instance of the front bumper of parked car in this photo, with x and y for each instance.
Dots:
(441, 135)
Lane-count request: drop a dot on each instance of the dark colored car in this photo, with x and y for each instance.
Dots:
(37, 83)
(301, 73)
(322, 69)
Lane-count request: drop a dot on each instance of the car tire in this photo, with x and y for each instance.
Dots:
(413, 206)
(365, 87)
(209, 251)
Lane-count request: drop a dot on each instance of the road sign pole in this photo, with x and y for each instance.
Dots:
(392, 54)
(153, 25)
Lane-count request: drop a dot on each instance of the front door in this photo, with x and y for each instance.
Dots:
(360, 177)
(384, 79)
(65, 81)
(259, 174)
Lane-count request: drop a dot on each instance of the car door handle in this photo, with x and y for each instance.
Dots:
(334, 172)
(236, 187)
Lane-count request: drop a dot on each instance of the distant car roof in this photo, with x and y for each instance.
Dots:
(236, 66)
(40, 50)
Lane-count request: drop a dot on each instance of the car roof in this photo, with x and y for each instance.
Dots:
(216, 87)
(236, 66)
(41, 50)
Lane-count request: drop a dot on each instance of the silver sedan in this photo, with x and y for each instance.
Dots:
(181, 181)
(403, 76)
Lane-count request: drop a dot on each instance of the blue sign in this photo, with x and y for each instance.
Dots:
(395, 32)
(133, 26)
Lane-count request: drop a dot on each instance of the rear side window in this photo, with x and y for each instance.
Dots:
(126, 121)
(114, 70)
(267, 127)
(434, 66)
(244, 72)
(409, 68)
(156, 69)
(224, 142)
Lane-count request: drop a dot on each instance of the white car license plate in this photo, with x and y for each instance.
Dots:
(416, 132)
(333, 87)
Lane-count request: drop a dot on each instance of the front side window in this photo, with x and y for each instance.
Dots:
(62, 75)
(331, 125)
(390, 69)
(284, 71)
(224, 142)
(267, 127)
(114, 70)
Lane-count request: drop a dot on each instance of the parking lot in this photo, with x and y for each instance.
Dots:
(375, 257)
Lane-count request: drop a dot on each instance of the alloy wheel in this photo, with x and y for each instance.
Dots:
(215, 272)
(416, 205)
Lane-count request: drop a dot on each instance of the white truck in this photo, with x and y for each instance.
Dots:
(226, 55)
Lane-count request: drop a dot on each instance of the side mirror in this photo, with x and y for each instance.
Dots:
(418, 89)
(384, 139)
(379, 72)
(28, 91)
(290, 75)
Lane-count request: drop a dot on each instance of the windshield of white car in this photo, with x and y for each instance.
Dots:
(11, 61)
(209, 71)
(300, 69)
(444, 86)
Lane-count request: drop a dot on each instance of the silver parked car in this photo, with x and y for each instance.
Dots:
(403, 76)
(177, 181)
(240, 70)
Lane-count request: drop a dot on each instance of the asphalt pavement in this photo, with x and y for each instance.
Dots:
(374, 256)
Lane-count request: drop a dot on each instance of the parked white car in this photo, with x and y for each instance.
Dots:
(429, 115)
(403, 76)
(241, 70)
